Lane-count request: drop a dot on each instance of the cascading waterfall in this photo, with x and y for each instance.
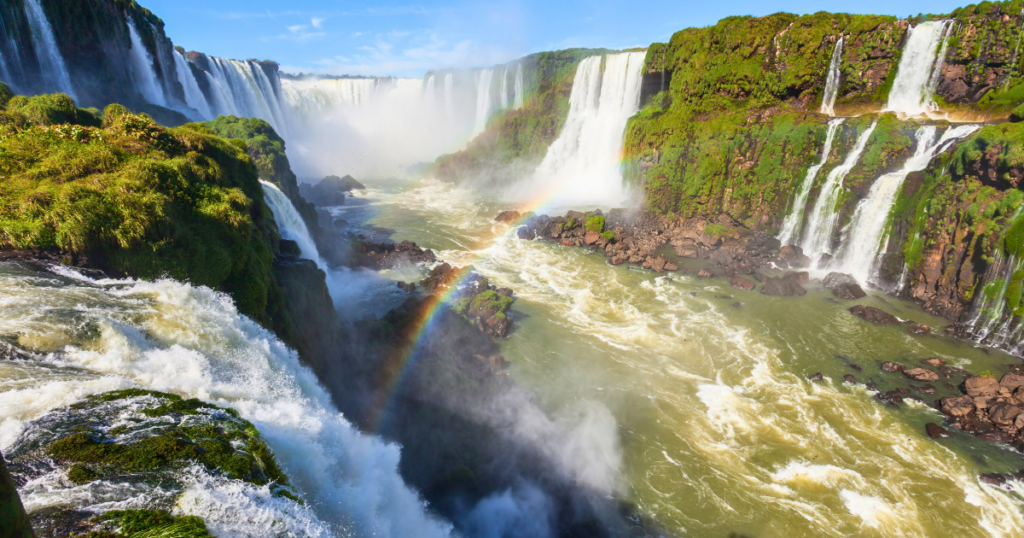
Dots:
(817, 240)
(583, 163)
(290, 223)
(919, 69)
(246, 91)
(51, 62)
(791, 227)
(173, 337)
(193, 94)
(867, 232)
(483, 101)
(518, 102)
(828, 99)
(429, 92)
(142, 69)
(994, 321)
(504, 89)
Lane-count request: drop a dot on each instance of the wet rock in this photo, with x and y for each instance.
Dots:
(935, 362)
(591, 237)
(290, 249)
(935, 431)
(1003, 414)
(984, 385)
(526, 233)
(925, 389)
(818, 376)
(892, 367)
(658, 264)
(441, 277)
(777, 287)
(850, 379)
(997, 436)
(669, 266)
(957, 406)
(737, 304)
(874, 315)
(919, 329)
(893, 397)
(798, 277)
(507, 216)
(1012, 381)
(407, 286)
(997, 479)
(843, 286)
(921, 374)
(793, 256)
(742, 283)
(705, 273)
(693, 294)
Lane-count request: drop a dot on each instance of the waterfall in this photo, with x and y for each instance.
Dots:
(246, 91)
(290, 223)
(449, 91)
(51, 63)
(429, 94)
(193, 94)
(142, 69)
(818, 240)
(868, 232)
(504, 89)
(791, 227)
(191, 341)
(583, 163)
(828, 99)
(919, 69)
(483, 101)
(518, 103)
(992, 322)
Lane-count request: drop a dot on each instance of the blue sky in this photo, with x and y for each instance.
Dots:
(407, 39)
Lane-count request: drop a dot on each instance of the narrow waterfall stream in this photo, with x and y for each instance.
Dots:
(792, 226)
(51, 62)
(817, 242)
(828, 99)
(912, 91)
(867, 232)
(142, 69)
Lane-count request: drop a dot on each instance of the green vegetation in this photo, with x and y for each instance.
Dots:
(148, 524)
(135, 197)
(216, 438)
(716, 230)
(594, 223)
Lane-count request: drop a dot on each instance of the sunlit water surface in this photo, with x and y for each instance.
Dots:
(721, 431)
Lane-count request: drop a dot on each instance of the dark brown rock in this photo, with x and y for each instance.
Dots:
(507, 216)
(850, 379)
(892, 397)
(843, 286)
(957, 406)
(935, 362)
(874, 315)
(892, 367)
(777, 287)
(1003, 414)
(798, 277)
(742, 283)
(1012, 381)
(818, 376)
(985, 385)
(921, 374)
(935, 431)
(919, 329)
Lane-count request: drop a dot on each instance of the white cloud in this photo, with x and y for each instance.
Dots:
(317, 21)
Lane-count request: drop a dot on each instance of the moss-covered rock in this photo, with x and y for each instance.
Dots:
(12, 513)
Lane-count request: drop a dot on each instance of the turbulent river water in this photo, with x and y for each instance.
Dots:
(721, 432)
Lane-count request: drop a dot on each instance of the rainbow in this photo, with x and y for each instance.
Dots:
(428, 314)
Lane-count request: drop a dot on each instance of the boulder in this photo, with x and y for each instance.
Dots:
(705, 273)
(919, 329)
(843, 286)
(874, 315)
(669, 266)
(892, 397)
(658, 264)
(848, 378)
(1003, 414)
(984, 385)
(935, 431)
(507, 216)
(892, 367)
(935, 362)
(778, 287)
(817, 377)
(798, 277)
(591, 237)
(920, 374)
(1012, 381)
(958, 406)
(742, 283)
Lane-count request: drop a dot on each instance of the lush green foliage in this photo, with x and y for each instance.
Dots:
(594, 223)
(140, 199)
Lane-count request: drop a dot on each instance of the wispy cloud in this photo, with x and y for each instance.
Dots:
(317, 21)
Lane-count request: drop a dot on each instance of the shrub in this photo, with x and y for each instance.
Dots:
(594, 223)
(1017, 114)
(47, 109)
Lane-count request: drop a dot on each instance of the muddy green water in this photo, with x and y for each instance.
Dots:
(720, 432)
